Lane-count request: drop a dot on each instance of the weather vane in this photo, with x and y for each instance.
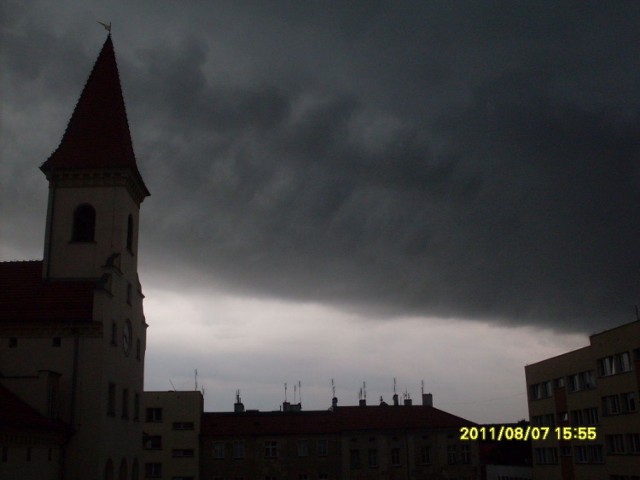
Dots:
(106, 27)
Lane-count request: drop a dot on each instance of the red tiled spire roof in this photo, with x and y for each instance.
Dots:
(26, 297)
(97, 135)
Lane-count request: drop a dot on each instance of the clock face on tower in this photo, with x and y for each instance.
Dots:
(126, 337)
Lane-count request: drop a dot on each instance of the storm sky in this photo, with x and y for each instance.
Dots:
(438, 191)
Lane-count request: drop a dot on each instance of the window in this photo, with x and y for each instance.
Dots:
(614, 364)
(543, 420)
(611, 405)
(617, 404)
(111, 399)
(270, 449)
(558, 382)
(136, 407)
(125, 403)
(541, 390)
(13, 342)
(591, 416)
(153, 470)
(114, 333)
(582, 381)
(425, 455)
(563, 417)
(354, 459)
(323, 448)
(452, 454)
(588, 453)
(218, 450)
(152, 442)
(130, 233)
(183, 425)
(182, 452)
(84, 223)
(238, 449)
(545, 455)
(615, 444)
(373, 458)
(628, 402)
(56, 342)
(154, 415)
(633, 443)
(395, 457)
(465, 453)
(303, 448)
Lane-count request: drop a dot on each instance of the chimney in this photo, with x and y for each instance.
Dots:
(427, 400)
(408, 402)
(395, 400)
(334, 403)
(238, 407)
(362, 402)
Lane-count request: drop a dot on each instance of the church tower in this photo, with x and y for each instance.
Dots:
(95, 188)
(72, 326)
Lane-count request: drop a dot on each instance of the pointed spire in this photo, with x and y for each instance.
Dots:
(97, 136)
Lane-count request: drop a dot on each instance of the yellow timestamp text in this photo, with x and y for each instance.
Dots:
(525, 433)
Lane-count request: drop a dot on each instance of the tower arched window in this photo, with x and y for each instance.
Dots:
(84, 223)
(130, 233)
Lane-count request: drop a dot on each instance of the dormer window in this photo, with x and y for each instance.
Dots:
(84, 223)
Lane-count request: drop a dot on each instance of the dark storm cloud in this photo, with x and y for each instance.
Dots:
(454, 159)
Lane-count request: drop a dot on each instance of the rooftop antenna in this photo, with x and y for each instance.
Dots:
(174, 387)
(238, 396)
(285, 391)
(333, 389)
(394, 385)
(422, 387)
(364, 389)
(300, 392)
(106, 27)
(195, 373)
(202, 390)
(295, 392)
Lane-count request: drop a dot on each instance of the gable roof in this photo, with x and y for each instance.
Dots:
(26, 297)
(340, 420)
(19, 417)
(97, 135)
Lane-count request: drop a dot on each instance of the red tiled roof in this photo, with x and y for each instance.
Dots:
(26, 297)
(97, 135)
(17, 415)
(343, 419)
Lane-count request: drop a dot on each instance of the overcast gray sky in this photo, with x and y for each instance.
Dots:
(438, 191)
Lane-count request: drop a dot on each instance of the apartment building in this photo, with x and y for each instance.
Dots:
(354, 442)
(171, 435)
(588, 399)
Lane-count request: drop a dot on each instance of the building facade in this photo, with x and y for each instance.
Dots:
(171, 435)
(72, 327)
(354, 442)
(588, 399)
